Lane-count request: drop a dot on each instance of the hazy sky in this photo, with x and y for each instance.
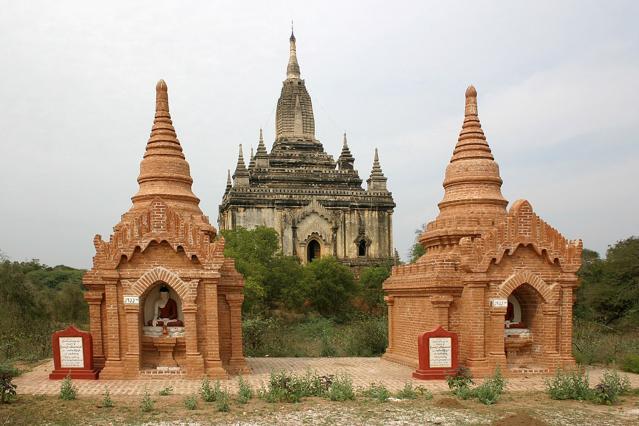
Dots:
(558, 87)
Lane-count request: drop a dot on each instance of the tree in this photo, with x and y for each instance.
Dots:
(417, 250)
(331, 287)
(370, 281)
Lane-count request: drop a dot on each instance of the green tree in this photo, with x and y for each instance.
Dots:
(331, 287)
(417, 250)
(370, 281)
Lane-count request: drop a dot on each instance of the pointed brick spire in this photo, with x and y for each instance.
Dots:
(251, 165)
(229, 183)
(293, 68)
(345, 160)
(164, 171)
(261, 156)
(241, 175)
(377, 180)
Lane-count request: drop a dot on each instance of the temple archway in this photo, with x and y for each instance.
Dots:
(313, 250)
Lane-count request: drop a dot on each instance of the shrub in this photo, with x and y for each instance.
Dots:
(331, 287)
(341, 388)
(569, 385)
(367, 337)
(285, 387)
(147, 403)
(68, 392)
(460, 382)
(107, 402)
(612, 385)
(166, 391)
(487, 393)
(209, 394)
(378, 392)
(222, 400)
(7, 387)
(423, 392)
(245, 393)
(190, 402)
(407, 392)
(630, 363)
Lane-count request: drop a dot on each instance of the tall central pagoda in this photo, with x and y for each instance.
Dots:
(316, 204)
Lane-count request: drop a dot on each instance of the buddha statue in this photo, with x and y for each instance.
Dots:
(165, 311)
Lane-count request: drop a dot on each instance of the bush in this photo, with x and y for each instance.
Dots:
(612, 386)
(209, 394)
(366, 337)
(460, 382)
(190, 402)
(285, 387)
(378, 392)
(630, 363)
(222, 401)
(166, 391)
(407, 392)
(245, 393)
(331, 287)
(147, 404)
(423, 392)
(7, 387)
(569, 385)
(107, 402)
(341, 389)
(68, 392)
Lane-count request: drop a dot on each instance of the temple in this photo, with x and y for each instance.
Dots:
(162, 297)
(502, 279)
(316, 204)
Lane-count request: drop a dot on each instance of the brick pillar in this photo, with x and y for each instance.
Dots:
(132, 327)
(565, 341)
(551, 324)
(476, 328)
(390, 301)
(237, 363)
(113, 367)
(495, 346)
(194, 359)
(440, 304)
(213, 363)
(94, 300)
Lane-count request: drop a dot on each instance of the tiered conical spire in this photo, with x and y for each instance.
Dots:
(293, 68)
(261, 156)
(251, 165)
(345, 160)
(472, 181)
(164, 171)
(241, 175)
(229, 183)
(377, 180)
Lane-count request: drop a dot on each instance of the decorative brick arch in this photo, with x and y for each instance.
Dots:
(546, 291)
(146, 281)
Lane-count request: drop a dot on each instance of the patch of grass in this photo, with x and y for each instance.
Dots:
(378, 392)
(166, 391)
(107, 402)
(341, 388)
(594, 343)
(245, 392)
(630, 363)
(190, 402)
(407, 392)
(569, 385)
(68, 392)
(147, 404)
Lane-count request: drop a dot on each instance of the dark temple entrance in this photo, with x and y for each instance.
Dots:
(313, 251)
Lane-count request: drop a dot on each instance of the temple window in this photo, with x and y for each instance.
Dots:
(361, 248)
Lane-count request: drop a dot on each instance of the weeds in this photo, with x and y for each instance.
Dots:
(341, 388)
(245, 393)
(612, 386)
(569, 385)
(407, 392)
(7, 387)
(460, 382)
(147, 404)
(107, 402)
(208, 393)
(222, 401)
(68, 392)
(190, 402)
(378, 392)
(166, 391)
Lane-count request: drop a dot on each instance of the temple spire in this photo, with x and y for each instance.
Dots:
(164, 172)
(377, 180)
(345, 160)
(229, 183)
(471, 141)
(261, 155)
(241, 176)
(293, 68)
(251, 165)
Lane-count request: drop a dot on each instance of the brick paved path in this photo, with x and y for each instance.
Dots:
(363, 371)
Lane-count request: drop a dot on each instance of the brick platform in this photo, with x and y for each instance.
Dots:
(362, 370)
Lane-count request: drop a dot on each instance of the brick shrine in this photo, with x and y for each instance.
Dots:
(503, 280)
(164, 243)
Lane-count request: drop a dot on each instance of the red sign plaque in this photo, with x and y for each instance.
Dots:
(438, 354)
(72, 355)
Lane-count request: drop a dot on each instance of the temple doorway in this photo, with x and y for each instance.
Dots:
(313, 251)
(523, 328)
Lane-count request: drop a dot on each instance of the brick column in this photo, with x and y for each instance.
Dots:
(236, 362)
(551, 324)
(132, 326)
(94, 300)
(113, 366)
(194, 359)
(476, 327)
(440, 304)
(213, 363)
(495, 346)
(565, 341)
(390, 301)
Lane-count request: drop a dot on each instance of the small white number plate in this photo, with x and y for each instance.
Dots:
(131, 300)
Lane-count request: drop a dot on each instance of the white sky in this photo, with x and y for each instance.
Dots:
(558, 85)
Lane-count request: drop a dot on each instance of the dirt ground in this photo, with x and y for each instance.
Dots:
(515, 408)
